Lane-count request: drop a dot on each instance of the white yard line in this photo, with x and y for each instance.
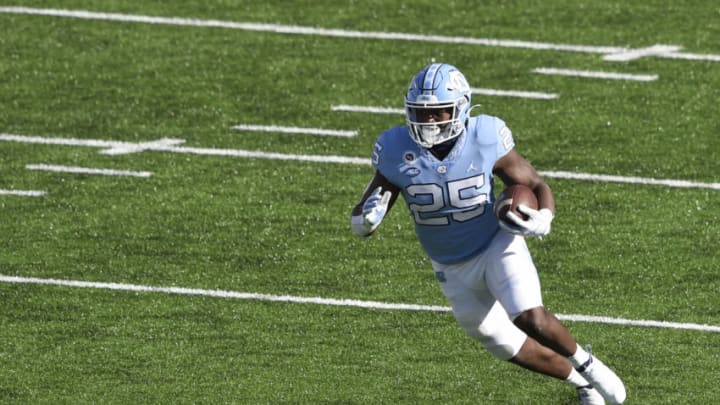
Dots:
(595, 75)
(23, 193)
(655, 50)
(329, 301)
(630, 180)
(267, 155)
(515, 93)
(295, 130)
(367, 109)
(86, 170)
(611, 52)
(165, 145)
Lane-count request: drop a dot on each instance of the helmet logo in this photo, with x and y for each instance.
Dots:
(458, 82)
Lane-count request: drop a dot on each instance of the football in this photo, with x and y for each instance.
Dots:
(510, 198)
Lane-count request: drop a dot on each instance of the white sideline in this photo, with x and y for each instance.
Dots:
(330, 301)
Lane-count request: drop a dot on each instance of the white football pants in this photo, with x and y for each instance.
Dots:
(490, 290)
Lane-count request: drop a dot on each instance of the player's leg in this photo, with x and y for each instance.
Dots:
(599, 375)
(506, 342)
(513, 280)
(536, 357)
(476, 311)
(485, 320)
(547, 330)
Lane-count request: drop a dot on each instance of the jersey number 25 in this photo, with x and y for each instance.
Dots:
(462, 194)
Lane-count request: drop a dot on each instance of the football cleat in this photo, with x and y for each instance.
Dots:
(607, 383)
(588, 395)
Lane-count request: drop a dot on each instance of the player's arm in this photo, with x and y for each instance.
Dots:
(515, 169)
(379, 196)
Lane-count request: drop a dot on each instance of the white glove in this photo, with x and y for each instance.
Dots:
(374, 211)
(538, 223)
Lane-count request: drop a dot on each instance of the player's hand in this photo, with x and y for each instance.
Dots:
(375, 207)
(537, 224)
(373, 212)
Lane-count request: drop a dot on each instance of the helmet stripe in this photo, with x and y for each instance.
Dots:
(430, 77)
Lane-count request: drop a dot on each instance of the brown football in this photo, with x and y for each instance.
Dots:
(511, 197)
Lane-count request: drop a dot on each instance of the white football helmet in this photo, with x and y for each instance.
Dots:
(443, 87)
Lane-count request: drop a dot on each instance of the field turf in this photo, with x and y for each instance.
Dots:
(207, 267)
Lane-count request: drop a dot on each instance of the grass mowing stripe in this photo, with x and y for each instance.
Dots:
(331, 301)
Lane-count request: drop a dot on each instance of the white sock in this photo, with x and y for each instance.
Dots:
(579, 358)
(576, 380)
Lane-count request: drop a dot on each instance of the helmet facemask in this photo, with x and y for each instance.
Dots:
(428, 134)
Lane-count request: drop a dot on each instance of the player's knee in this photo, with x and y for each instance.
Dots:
(533, 321)
(503, 340)
(501, 351)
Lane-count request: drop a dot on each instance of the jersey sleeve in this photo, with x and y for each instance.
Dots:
(377, 153)
(391, 152)
(382, 153)
(505, 138)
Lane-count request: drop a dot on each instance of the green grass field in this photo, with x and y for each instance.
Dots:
(242, 212)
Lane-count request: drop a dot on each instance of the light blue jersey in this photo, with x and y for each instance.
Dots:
(452, 200)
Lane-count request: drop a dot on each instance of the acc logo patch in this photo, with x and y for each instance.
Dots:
(409, 157)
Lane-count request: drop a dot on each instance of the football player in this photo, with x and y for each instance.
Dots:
(443, 162)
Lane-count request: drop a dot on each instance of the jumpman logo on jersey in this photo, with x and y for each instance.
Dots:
(471, 168)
